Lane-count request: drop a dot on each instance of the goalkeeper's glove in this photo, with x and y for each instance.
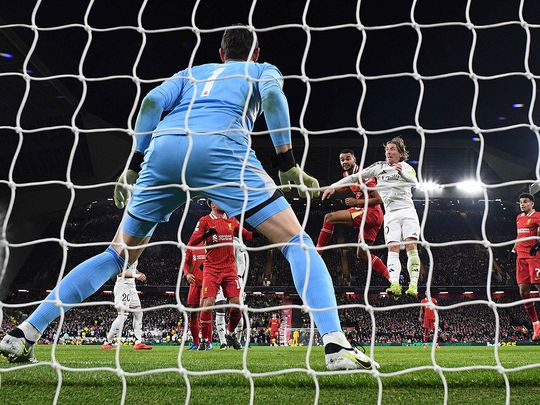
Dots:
(291, 173)
(127, 178)
(534, 249)
(209, 232)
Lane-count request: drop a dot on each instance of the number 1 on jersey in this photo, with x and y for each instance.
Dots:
(211, 80)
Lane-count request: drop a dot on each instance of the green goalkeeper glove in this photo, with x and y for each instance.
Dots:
(128, 178)
(294, 175)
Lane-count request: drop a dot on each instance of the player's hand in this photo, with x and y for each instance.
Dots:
(293, 176)
(120, 191)
(141, 277)
(534, 249)
(351, 202)
(209, 232)
(511, 256)
(398, 167)
(329, 192)
(190, 278)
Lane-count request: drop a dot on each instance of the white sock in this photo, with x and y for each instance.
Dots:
(220, 327)
(337, 338)
(394, 266)
(30, 333)
(116, 328)
(239, 329)
(413, 266)
(137, 326)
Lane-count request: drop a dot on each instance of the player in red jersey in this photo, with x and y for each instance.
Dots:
(427, 315)
(527, 260)
(193, 267)
(274, 325)
(353, 215)
(219, 270)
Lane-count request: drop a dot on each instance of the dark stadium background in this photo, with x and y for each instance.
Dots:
(100, 156)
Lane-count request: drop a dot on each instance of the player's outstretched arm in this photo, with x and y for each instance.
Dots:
(276, 114)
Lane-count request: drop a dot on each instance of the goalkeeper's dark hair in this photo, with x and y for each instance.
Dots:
(237, 42)
(526, 195)
(400, 145)
(342, 151)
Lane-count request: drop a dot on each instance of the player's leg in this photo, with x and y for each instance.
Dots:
(411, 232)
(426, 336)
(210, 286)
(536, 325)
(121, 302)
(327, 230)
(135, 306)
(221, 325)
(392, 237)
(524, 279)
(193, 301)
(374, 221)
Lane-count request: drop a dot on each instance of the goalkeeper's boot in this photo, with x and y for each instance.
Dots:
(233, 342)
(15, 347)
(412, 291)
(394, 290)
(30, 358)
(223, 346)
(340, 358)
(142, 346)
(536, 331)
(203, 346)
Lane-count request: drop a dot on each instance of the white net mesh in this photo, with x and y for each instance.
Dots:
(365, 136)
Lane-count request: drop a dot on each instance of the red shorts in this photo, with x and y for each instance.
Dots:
(228, 281)
(194, 295)
(528, 270)
(374, 221)
(429, 323)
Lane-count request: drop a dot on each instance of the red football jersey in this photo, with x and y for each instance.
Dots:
(219, 259)
(429, 313)
(527, 225)
(195, 258)
(357, 190)
(274, 324)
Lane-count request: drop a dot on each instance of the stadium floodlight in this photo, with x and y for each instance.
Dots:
(499, 292)
(470, 186)
(468, 292)
(23, 291)
(429, 186)
(443, 292)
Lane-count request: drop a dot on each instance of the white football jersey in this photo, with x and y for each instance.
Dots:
(125, 281)
(394, 188)
(241, 257)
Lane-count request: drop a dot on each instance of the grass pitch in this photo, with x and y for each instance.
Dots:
(102, 385)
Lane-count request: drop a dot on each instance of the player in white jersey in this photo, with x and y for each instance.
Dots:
(395, 179)
(241, 258)
(126, 297)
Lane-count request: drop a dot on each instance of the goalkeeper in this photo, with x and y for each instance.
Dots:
(211, 112)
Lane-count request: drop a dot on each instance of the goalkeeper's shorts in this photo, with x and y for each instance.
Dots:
(214, 167)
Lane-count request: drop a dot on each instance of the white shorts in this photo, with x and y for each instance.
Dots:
(400, 225)
(126, 296)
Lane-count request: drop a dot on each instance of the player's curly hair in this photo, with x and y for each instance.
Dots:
(400, 145)
(237, 42)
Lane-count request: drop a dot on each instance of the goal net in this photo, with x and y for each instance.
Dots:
(458, 81)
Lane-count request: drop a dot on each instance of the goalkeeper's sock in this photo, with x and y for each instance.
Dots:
(413, 266)
(79, 284)
(194, 328)
(220, 325)
(379, 267)
(29, 332)
(320, 291)
(206, 325)
(234, 318)
(394, 267)
(531, 311)
(325, 235)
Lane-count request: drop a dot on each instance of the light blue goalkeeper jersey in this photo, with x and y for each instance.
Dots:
(212, 98)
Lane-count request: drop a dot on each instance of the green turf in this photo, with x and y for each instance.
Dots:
(36, 385)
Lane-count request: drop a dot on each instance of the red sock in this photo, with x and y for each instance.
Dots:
(234, 318)
(426, 336)
(379, 267)
(326, 233)
(206, 325)
(194, 328)
(529, 307)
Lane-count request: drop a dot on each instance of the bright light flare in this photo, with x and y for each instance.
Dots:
(470, 186)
